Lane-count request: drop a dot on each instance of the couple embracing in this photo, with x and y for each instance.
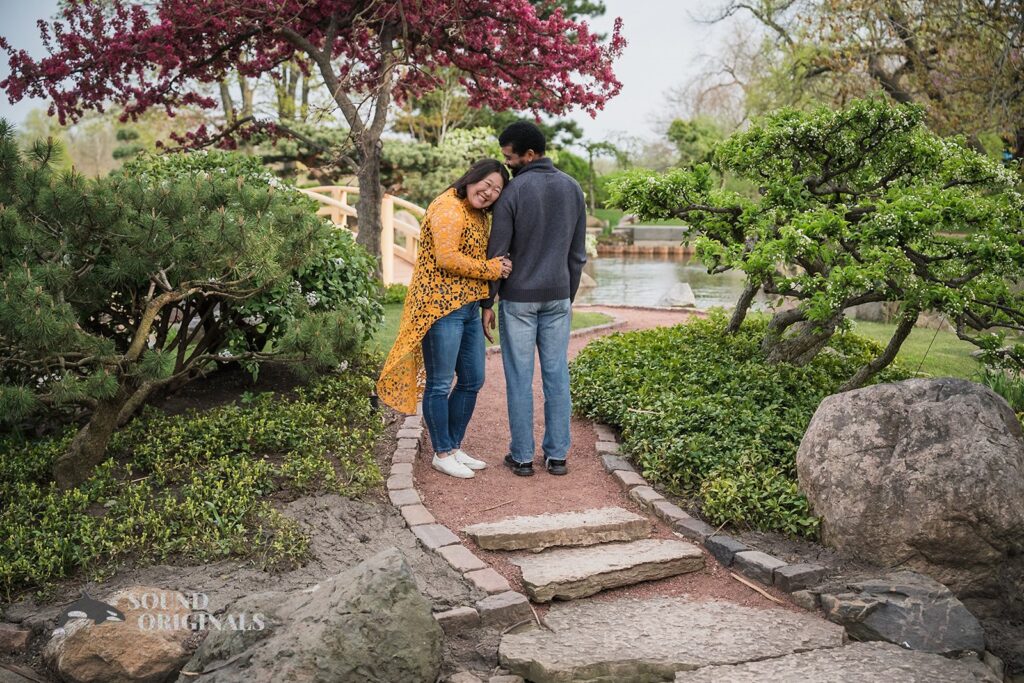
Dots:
(522, 241)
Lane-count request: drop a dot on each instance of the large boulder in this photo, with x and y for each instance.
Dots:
(925, 475)
(369, 623)
(129, 647)
(906, 609)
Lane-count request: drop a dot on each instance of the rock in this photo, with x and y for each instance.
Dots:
(724, 548)
(458, 619)
(795, 577)
(368, 623)
(148, 645)
(860, 662)
(488, 580)
(569, 573)
(13, 639)
(537, 532)
(464, 677)
(757, 565)
(925, 475)
(601, 640)
(11, 673)
(805, 600)
(907, 609)
(505, 608)
(680, 296)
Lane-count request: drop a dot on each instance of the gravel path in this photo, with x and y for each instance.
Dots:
(495, 493)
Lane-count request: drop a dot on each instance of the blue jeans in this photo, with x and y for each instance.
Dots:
(453, 348)
(544, 326)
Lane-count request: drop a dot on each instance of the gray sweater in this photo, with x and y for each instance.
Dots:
(540, 221)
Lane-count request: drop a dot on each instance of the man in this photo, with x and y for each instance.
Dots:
(540, 222)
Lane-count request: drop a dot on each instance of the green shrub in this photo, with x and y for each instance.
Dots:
(191, 486)
(704, 414)
(396, 293)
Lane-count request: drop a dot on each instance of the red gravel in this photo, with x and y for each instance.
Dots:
(496, 493)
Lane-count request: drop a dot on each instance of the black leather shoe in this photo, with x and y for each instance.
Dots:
(556, 466)
(522, 469)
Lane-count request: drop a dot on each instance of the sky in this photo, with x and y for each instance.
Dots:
(666, 47)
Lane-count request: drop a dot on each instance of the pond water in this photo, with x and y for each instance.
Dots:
(644, 280)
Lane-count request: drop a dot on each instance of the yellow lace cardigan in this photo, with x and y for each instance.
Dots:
(450, 272)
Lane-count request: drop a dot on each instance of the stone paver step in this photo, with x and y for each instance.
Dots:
(857, 663)
(569, 573)
(588, 527)
(598, 641)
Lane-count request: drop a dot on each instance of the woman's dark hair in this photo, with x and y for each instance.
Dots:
(477, 172)
(523, 136)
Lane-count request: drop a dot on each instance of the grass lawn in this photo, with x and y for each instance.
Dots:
(388, 331)
(948, 356)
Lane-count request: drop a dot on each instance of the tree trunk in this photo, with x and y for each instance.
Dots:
(370, 195)
(801, 347)
(90, 444)
(742, 306)
(869, 370)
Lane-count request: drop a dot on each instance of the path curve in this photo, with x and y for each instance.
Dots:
(495, 493)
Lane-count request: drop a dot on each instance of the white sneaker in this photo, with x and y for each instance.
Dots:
(468, 460)
(452, 467)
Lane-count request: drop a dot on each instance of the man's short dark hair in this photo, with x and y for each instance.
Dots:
(523, 136)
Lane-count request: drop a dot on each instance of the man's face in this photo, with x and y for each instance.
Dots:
(516, 161)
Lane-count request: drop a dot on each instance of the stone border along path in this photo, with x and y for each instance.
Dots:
(732, 634)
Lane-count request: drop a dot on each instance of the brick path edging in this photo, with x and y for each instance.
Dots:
(754, 564)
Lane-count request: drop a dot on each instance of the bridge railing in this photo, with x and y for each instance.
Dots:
(399, 218)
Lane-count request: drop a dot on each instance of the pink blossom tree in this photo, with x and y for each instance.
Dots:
(369, 54)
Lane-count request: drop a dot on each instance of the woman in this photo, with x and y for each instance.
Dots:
(440, 332)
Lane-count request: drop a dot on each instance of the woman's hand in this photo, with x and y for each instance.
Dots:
(506, 266)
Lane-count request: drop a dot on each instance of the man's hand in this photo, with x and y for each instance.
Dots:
(487, 320)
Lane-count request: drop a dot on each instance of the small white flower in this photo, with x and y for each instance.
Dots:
(343, 365)
(338, 261)
(224, 353)
(312, 298)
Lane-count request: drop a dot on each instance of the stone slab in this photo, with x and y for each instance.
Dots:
(604, 432)
(406, 433)
(628, 479)
(598, 641)
(614, 463)
(403, 455)
(757, 565)
(464, 677)
(537, 532)
(607, 447)
(488, 581)
(458, 619)
(569, 573)
(460, 558)
(645, 496)
(415, 515)
(506, 679)
(694, 529)
(503, 609)
(856, 663)
(401, 468)
(412, 422)
(670, 512)
(796, 577)
(397, 482)
(414, 444)
(434, 536)
(724, 548)
(404, 497)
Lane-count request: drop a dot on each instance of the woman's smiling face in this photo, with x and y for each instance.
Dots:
(485, 192)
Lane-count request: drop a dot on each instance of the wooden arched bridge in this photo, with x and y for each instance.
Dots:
(400, 227)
